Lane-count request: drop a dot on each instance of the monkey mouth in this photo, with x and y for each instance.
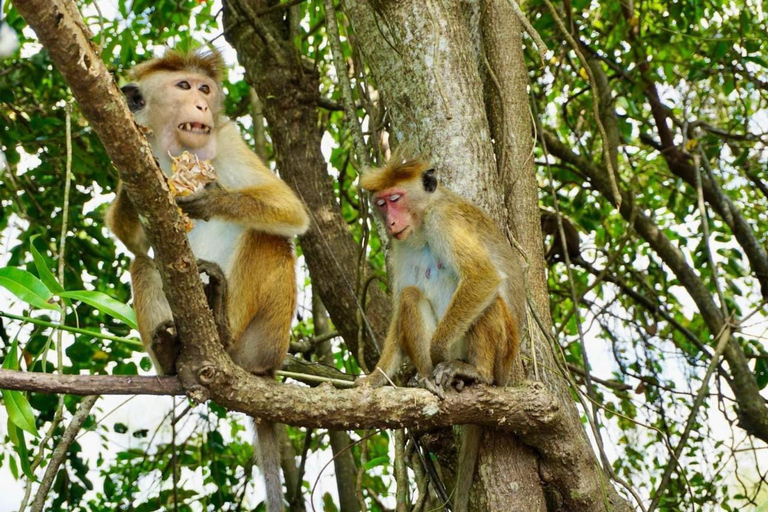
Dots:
(198, 128)
(400, 233)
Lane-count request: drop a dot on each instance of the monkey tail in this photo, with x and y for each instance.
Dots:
(465, 469)
(268, 452)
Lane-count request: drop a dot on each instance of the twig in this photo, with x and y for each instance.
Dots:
(725, 335)
(401, 472)
(362, 154)
(174, 461)
(575, 298)
(316, 379)
(705, 230)
(60, 452)
(345, 86)
(76, 330)
(361, 473)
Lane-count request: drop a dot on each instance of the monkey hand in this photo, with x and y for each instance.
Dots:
(201, 204)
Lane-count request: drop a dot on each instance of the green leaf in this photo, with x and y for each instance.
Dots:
(19, 411)
(378, 461)
(105, 304)
(26, 287)
(11, 361)
(46, 276)
(17, 438)
(761, 372)
(17, 405)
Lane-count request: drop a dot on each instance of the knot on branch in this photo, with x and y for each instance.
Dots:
(198, 394)
(206, 374)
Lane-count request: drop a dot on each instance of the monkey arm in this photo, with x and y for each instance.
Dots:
(479, 283)
(123, 220)
(270, 207)
(390, 359)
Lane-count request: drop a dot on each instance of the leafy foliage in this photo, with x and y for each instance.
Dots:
(646, 339)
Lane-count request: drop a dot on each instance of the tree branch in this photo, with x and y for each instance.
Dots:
(529, 411)
(89, 384)
(60, 452)
(753, 414)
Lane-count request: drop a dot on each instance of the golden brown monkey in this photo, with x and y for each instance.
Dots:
(572, 243)
(458, 290)
(243, 225)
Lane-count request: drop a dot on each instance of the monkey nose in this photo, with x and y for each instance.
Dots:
(202, 107)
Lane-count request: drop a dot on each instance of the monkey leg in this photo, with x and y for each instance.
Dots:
(262, 347)
(484, 340)
(216, 294)
(153, 315)
(416, 324)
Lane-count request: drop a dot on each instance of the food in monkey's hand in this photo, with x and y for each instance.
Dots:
(190, 175)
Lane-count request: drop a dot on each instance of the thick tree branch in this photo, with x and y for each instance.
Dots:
(61, 30)
(529, 411)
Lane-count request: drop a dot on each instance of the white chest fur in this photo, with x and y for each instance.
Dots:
(421, 268)
(216, 241)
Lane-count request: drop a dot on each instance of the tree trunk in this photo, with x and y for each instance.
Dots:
(454, 80)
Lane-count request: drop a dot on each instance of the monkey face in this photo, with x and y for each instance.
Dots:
(181, 109)
(393, 205)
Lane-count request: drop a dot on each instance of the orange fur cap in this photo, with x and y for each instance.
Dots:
(397, 170)
(206, 62)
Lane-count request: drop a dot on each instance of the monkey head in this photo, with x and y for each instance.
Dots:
(401, 192)
(179, 98)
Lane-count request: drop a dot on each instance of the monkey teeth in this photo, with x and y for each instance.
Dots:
(195, 128)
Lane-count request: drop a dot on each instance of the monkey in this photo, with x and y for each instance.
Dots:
(244, 223)
(458, 289)
(572, 243)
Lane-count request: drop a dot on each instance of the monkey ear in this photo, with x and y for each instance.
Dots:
(429, 180)
(133, 97)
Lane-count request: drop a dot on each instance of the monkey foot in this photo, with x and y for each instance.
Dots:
(213, 270)
(433, 387)
(216, 294)
(165, 347)
(456, 374)
(373, 380)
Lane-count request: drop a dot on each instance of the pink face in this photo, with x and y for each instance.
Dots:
(393, 206)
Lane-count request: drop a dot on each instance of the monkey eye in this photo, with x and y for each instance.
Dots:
(205, 89)
(395, 197)
(184, 85)
(380, 203)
